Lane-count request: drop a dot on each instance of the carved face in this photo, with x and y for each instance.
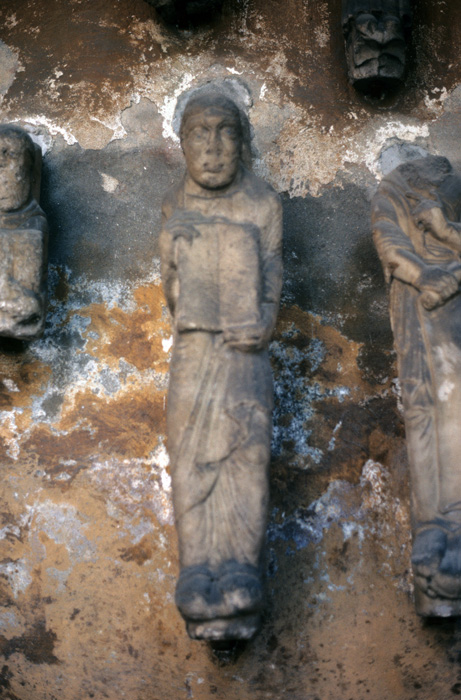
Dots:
(14, 174)
(212, 145)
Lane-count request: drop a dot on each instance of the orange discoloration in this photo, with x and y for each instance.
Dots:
(134, 336)
(89, 423)
(24, 377)
(128, 427)
(339, 366)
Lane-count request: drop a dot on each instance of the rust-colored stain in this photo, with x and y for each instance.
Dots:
(126, 427)
(126, 424)
(362, 422)
(137, 336)
(339, 366)
(28, 376)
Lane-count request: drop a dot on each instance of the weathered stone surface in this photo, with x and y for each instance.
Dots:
(23, 237)
(182, 12)
(88, 550)
(416, 230)
(221, 261)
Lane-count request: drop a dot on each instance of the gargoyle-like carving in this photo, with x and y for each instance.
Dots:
(376, 33)
(23, 237)
(221, 270)
(416, 214)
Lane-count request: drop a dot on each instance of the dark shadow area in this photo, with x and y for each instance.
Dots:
(13, 347)
(104, 209)
(187, 14)
(331, 267)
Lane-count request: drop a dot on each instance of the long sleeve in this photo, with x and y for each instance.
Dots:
(390, 217)
(167, 259)
(272, 267)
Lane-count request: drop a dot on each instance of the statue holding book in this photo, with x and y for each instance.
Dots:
(221, 271)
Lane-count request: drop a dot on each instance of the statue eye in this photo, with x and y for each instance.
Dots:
(229, 132)
(199, 133)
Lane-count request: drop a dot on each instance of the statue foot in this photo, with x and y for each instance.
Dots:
(195, 592)
(436, 561)
(232, 590)
(224, 629)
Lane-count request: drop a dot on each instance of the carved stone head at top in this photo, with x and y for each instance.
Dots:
(211, 139)
(376, 34)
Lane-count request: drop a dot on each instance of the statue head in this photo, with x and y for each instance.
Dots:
(17, 154)
(376, 34)
(376, 51)
(211, 138)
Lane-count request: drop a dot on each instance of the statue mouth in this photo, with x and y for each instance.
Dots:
(213, 166)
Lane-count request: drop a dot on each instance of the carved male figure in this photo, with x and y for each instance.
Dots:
(23, 237)
(416, 214)
(376, 33)
(221, 271)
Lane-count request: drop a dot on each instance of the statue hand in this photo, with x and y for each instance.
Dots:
(429, 216)
(247, 338)
(181, 225)
(436, 286)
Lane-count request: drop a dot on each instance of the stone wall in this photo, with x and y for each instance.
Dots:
(88, 554)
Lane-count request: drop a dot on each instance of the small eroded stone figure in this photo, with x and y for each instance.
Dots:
(222, 271)
(376, 33)
(23, 237)
(416, 215)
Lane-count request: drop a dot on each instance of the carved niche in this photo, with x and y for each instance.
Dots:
(184, 11)
(416, 215)
(376, 34)
(23, 237)
(221, 270)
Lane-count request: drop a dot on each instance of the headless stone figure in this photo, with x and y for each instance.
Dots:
(222, 272)
(23, 237)
(416, 214)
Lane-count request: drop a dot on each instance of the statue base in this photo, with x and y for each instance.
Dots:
(224, 628)
(436, 607)
(436, 562)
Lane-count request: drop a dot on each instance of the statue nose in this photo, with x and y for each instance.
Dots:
(214, 144)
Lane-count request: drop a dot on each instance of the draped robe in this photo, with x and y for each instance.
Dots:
(220, 270)
(428, 343)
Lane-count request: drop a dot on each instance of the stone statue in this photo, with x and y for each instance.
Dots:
(416, 214)
(220, 249)
(183, 12)
(23, 237)
(376, 33)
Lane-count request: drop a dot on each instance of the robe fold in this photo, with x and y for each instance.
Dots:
(221, 270)
(428, 343)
